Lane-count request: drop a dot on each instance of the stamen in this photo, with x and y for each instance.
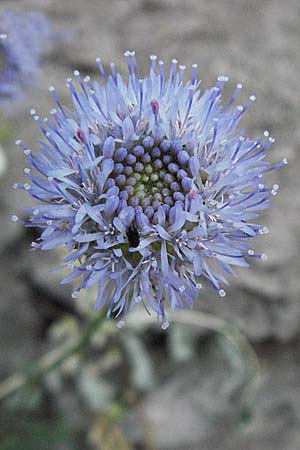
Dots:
(153, 59)
(101, 68)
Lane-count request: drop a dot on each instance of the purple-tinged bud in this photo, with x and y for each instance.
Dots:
(186, 184)
(146, 158)
(149, 211)
(155, 152)
(169, 201)
(110, 182)
(123, 195)
(118, 168)
(156, 204)
(133, 201)
(175, 186)
(111, 205)
(148, 142)
(129, 189)
(128, 170)
(109, 147)
(127, 128)
(81, 135)
(126, 215)
(176, 146)
(183, 157)
(169, 178)
(120, 180)
(138, 167)
(165, 145)
(167, 159)
(141, 220)
(130, 159)
(131, 181)
(181, 174)
(138, 151)
(120, 154)
(178, 196)
(173, 167)
(157, 164)
(155, 107)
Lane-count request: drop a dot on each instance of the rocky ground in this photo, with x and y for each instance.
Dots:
(256, 42)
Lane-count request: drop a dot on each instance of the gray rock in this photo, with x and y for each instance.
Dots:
(202, 407)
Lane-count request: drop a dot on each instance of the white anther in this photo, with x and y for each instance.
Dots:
(51, 88)
(261, 186)
(222, 293)
(49, 222)
(285, 161)
(75, 294)
(26, 186)
(181, 288)
(264, 257)
(250, 252)
(18, 141)
(165, 325)
(27, 171)
(138, 299)
(252, 98)
(198, 286)
(15, 186)
(14, 218)
(35, 212)
(76, 73)
(27, 152)
(121, 324)
(89, 267)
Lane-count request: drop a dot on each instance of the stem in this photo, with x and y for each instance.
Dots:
(230, 331)
(50, 360)
(227, 329)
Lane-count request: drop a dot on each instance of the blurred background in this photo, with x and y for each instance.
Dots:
(141, 388)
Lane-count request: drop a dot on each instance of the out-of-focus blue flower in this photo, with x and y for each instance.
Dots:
(149, 186)
(23, 38)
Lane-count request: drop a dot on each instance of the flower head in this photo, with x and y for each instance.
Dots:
(23, 38)
(149, 186)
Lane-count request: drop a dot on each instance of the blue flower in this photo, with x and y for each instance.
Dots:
(149, 186)
(22, 40)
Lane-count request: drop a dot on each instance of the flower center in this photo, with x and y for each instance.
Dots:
(152, 174)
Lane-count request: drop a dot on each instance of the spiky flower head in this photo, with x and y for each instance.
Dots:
(23, 37)
(149, 186)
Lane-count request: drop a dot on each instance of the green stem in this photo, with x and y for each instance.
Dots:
(50, 360)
